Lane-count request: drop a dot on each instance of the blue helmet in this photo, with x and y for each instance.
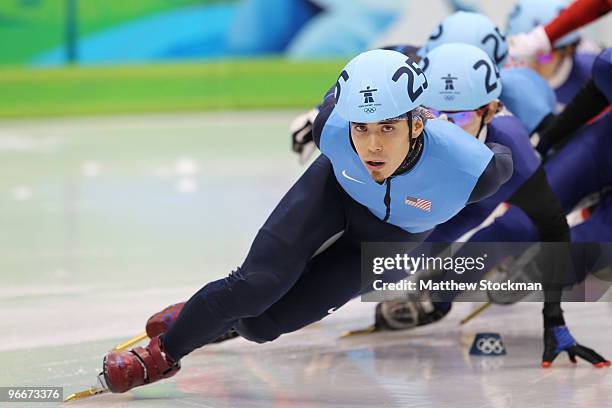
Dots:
(528, 14)
(462, 77)
(470, 28)
(378, 85)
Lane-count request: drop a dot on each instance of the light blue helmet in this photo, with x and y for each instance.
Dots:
(470, 28)
(527, 14)
(462, 77)
(378, 85)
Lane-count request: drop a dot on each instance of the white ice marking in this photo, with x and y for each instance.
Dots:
(187, 186)
(186, 166)
(22, 193)
(90, 168)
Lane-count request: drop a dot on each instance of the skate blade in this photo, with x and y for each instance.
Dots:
(475, 313)
(126, 345)
(360, 332)
(85, 394)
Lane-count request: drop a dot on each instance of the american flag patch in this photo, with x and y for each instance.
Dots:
(419, 203)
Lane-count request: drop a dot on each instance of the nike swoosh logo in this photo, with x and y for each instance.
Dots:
(350, 178)
(332, 310)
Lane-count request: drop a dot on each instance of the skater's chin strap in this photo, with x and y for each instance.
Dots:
(414, 152)
(482, 125)
(413, 156)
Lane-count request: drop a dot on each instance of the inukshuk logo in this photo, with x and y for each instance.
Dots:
(368, 100)
(449, 87)
(368, 94)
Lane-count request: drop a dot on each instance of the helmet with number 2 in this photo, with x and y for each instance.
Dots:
(378, 85)
(528, 14)
(461, 77)
(470, 28)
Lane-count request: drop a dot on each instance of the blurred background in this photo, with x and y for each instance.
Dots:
(74, 57)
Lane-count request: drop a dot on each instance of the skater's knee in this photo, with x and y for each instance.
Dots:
(260, 329)
(255, 292)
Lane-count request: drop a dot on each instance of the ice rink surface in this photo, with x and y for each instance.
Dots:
(105, 221)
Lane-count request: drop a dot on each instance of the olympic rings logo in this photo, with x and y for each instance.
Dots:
(490, 345)
(369, 110)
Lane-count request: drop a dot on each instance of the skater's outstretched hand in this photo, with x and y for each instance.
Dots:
(529, 45)
(418, 310)
(558, 339)
(302, 141)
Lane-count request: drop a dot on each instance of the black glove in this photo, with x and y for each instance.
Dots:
(415, 311)
(301, 135)
(558, 339)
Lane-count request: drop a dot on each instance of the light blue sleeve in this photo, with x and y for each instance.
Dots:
(461, 151)
(527, 95)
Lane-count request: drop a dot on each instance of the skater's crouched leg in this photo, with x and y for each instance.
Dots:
(271, 268)
(260, 329)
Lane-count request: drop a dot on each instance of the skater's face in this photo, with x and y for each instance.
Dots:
(383, 146)
(470, 121)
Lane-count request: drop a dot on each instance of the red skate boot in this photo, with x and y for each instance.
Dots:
(160, 322)
(124, 370)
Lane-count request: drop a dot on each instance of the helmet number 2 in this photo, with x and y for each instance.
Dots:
(344, 75)
(413, 94)
(490, 86)
(437, 34)
(496, 37)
